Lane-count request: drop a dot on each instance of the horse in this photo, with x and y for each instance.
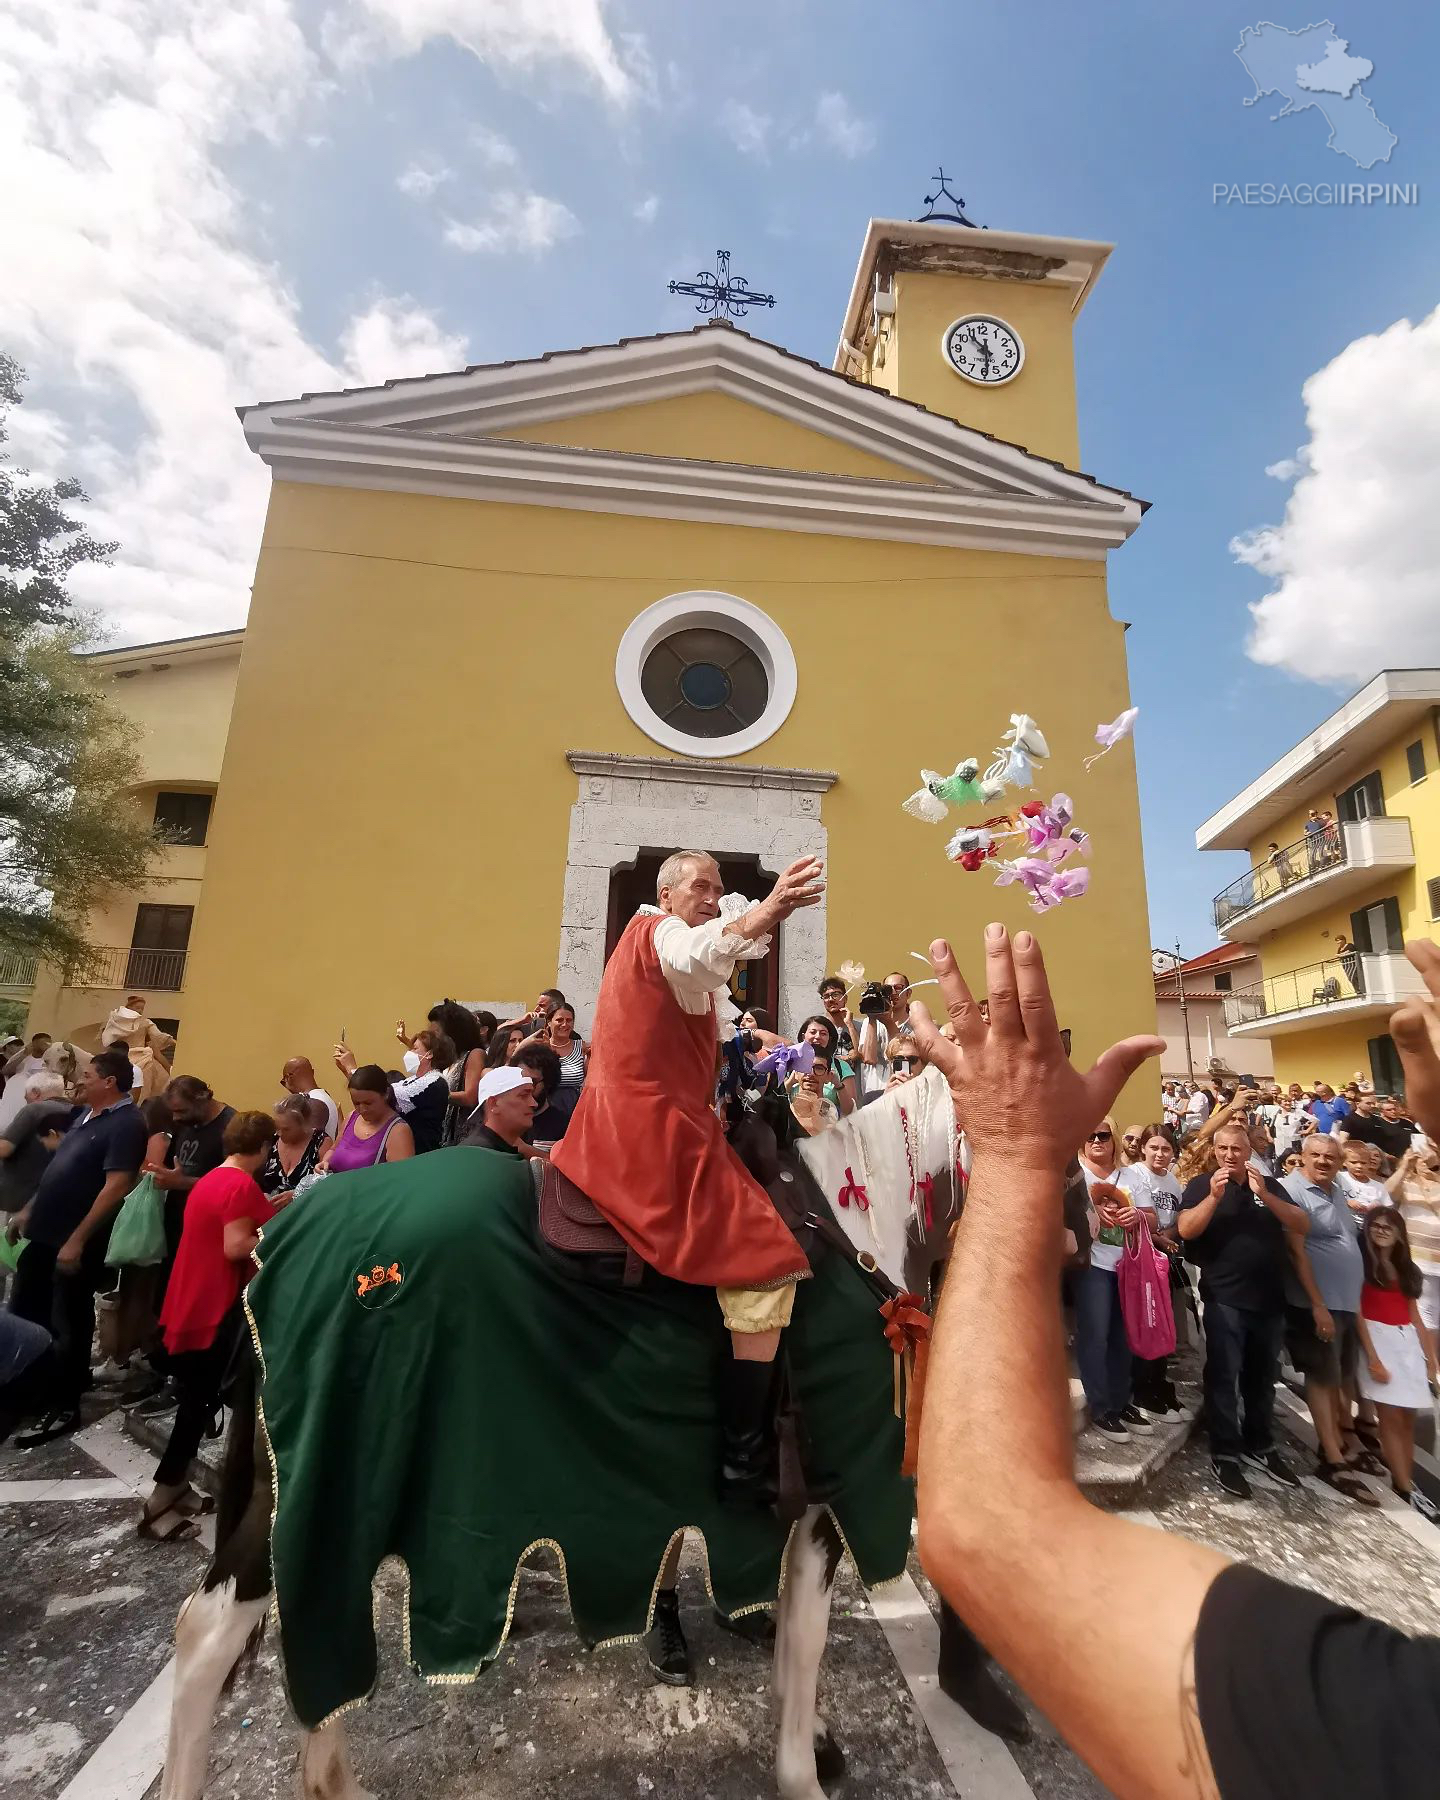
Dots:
(882, 1187)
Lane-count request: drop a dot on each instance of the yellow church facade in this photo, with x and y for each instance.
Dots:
(519, 630)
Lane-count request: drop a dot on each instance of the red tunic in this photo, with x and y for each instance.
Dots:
(646, 1147)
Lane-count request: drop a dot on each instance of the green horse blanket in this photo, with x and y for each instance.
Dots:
(434, 1390)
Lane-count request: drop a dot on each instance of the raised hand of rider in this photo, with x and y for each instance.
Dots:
(1016, 1093)
(802, 884)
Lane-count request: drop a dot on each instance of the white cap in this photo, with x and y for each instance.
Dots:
(500, 1081)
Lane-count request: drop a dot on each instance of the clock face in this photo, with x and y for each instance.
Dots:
(984, 349)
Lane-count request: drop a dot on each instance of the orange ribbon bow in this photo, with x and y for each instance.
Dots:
(907, 1332)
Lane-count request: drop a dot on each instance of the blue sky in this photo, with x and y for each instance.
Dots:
(214, 216)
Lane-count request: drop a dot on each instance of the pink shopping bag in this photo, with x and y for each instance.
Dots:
(1144, 1277)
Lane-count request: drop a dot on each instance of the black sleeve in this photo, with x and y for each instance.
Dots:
(1299, 1697)
(1277, 1189)
(24, 1124)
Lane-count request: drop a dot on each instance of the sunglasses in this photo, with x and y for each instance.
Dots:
(909, 1063)
(1100, 1137)
(1131, 1139)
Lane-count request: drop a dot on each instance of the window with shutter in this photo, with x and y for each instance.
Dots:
(184, 818)
(1432, 888)
(1415, 759)
(1362, 800)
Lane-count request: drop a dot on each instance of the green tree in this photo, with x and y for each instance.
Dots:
(70, 828)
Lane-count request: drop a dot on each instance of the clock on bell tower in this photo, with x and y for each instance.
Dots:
(972, 323)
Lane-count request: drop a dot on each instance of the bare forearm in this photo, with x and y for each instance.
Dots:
(1304, 1274)
(993, 1465)
(760, 921)
(1192, 1221)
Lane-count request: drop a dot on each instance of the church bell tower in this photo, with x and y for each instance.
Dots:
(975, 324)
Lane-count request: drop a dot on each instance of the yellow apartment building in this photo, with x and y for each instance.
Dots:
(180, 694)
(520, 629)
(1329, 908)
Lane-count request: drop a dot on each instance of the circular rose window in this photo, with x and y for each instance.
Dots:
(706, 673)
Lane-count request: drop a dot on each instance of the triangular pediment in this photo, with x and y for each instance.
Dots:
(708, 425)
(704, 424)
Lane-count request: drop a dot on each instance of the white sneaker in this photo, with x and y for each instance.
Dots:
(111, 1371)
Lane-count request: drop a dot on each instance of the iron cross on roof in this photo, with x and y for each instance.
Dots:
(942, 192)
(720, 291)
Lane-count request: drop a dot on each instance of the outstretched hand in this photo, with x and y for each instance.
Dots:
(1415, 1027)
(1015, 1090)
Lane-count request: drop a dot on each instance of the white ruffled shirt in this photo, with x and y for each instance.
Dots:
(698, 960)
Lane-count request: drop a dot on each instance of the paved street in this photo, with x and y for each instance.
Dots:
(89, 1610)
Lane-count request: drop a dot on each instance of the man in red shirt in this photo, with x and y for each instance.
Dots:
(646, 1146)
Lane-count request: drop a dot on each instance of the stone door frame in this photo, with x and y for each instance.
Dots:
(626, 804)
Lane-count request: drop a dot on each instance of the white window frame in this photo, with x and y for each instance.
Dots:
(724, 612)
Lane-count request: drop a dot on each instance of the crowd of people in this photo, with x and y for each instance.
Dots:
(1311, 1216)
(1313, 1220)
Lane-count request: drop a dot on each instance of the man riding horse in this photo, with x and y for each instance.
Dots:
(646, 1146)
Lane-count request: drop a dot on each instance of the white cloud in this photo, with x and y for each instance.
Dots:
(393, 338)
(515, 34)
(494, 151)
(419, 179)
(748, 130)
(647, 209)
(842, 129)
(1356, 559)
(1286, 469)
(529, 223)
(136, 289)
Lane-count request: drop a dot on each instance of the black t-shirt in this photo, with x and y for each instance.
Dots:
(1241, 1253)
(481, 1137)
(20, 1172)
(1392, 1135)
(1302, 1699)
(197, 1149)
(106, 1142)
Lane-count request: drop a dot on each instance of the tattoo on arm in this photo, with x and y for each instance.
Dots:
(1195, 1767)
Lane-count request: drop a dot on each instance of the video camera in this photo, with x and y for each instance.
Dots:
(874, 1001)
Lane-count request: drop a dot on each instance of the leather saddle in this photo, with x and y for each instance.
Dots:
(578, 1234)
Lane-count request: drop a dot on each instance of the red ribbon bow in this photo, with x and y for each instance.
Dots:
(852, 1190)
(907, 1332)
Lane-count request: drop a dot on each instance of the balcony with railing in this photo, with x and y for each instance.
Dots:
(17, 972)
(1313, 872)
(118, 966)
(1354, 986)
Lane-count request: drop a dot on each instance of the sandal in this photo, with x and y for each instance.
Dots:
(166, 1526)
(1346, 1481)
(193, 1504)
(1366, 1462)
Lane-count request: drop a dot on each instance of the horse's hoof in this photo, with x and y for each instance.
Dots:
(829, 1759)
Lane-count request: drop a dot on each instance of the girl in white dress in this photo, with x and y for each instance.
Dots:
(1398, 1368)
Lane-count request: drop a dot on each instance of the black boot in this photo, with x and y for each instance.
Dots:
(665, 1642)
(747, 1459)
(966, 1677)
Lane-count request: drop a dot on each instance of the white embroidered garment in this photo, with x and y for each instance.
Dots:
(698, 960)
